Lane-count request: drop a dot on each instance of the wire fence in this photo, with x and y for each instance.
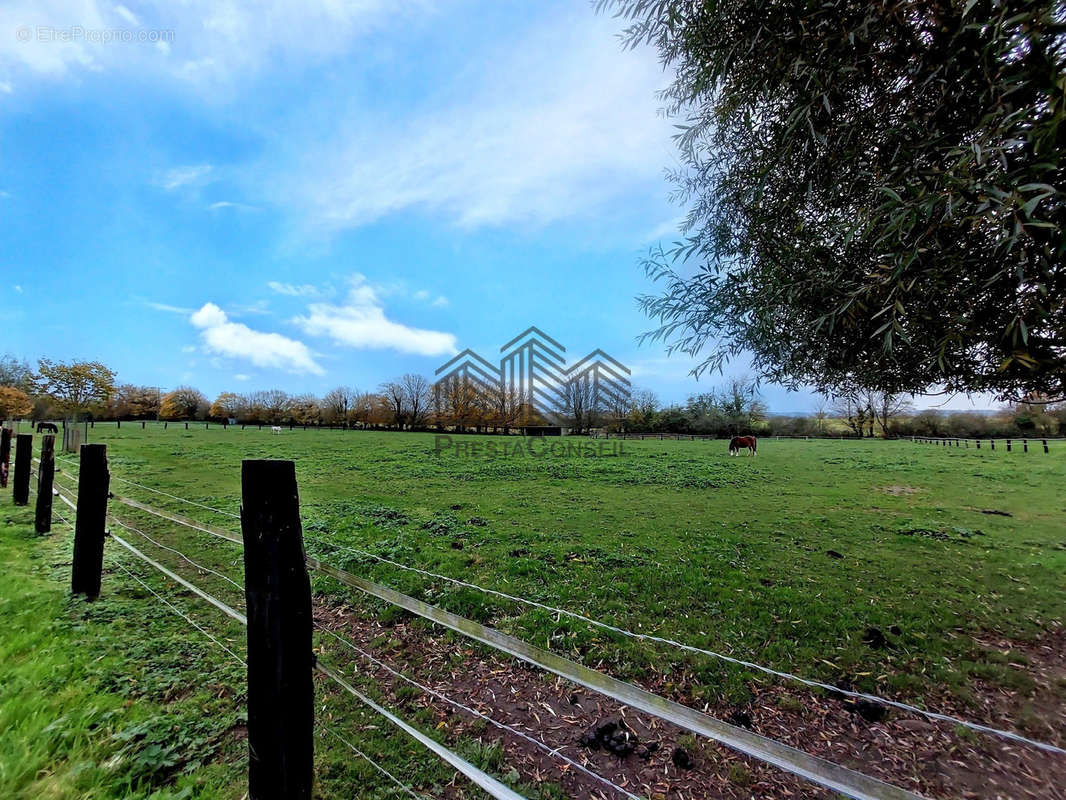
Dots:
(850, 782)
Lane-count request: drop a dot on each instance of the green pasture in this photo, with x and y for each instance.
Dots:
(674, 538)
(786, 559)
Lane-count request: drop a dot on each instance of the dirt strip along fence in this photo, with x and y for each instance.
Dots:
(279, 623)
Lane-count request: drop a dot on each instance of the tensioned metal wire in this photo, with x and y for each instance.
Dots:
(555, 752)
(177, 611)
(784, 675)
(485, 781)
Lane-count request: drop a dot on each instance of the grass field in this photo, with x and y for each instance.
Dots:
(677, 539)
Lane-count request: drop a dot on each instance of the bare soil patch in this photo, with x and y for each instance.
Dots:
(657, 760)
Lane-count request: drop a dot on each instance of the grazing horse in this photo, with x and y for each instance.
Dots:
(739, 442)
(47, 426)
(275, 429)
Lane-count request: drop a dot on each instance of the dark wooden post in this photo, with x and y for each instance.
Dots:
(165, 424)
(186, 426)
(89, 528)
(1025, 445)
(5, 455)
(1008, 445)
(45, 477)
(993, 444)
(280, 659)
(1045, 444)
(118, 423)
(20, 491)
(978, 444)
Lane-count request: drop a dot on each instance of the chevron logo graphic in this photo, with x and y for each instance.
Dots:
(532, 367)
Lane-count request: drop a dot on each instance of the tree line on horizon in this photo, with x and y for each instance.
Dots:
(90, 390)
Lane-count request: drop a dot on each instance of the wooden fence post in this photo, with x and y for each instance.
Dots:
(1008, 445)
(45, 477)
(90, 525)
(280, 658)
(20, 491)
(978, 444)
(1045, 444)
(993, 443)
(5, 455)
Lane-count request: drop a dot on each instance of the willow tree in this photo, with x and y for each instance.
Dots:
(874, 190)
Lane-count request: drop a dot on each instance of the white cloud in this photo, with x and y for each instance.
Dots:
(564, 123)
(421, 294)
(293, 290)
(215, 44)
(221, 204)
(236, 340)
(188, 349)
(183, 176)
(668, 229)
(441, 302)
(18, 289)
(361, 322)
(6, 87)
(127, 15)
(169, 308)
(240, 376)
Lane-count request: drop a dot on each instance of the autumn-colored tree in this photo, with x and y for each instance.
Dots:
(305, 409)
(14, 403)
(185, 402)
(134, 402)
(226, 406)
(15, 373)
(76, 385)
(363, 406)
(338, 405)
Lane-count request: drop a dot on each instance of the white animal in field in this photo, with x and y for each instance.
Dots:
(275, 429)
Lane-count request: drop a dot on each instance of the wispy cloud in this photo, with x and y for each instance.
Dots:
(184, 176)
(217, 44)
(127, 15)
(222, 337)
(294, 290)
(169, 308)
(224, 204)
(527, 143)
(360, 322)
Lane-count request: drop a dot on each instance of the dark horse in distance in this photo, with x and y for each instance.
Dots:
(738, 443)
(50, 427)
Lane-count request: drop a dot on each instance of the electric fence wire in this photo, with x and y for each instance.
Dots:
(836, 690)
(555, 752)
(182, 555)
(407, 789)
(180, 613)
(711, 653)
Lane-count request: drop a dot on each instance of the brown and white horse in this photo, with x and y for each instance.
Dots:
(739, 442)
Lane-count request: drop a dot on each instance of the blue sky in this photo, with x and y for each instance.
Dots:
(304, 194)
